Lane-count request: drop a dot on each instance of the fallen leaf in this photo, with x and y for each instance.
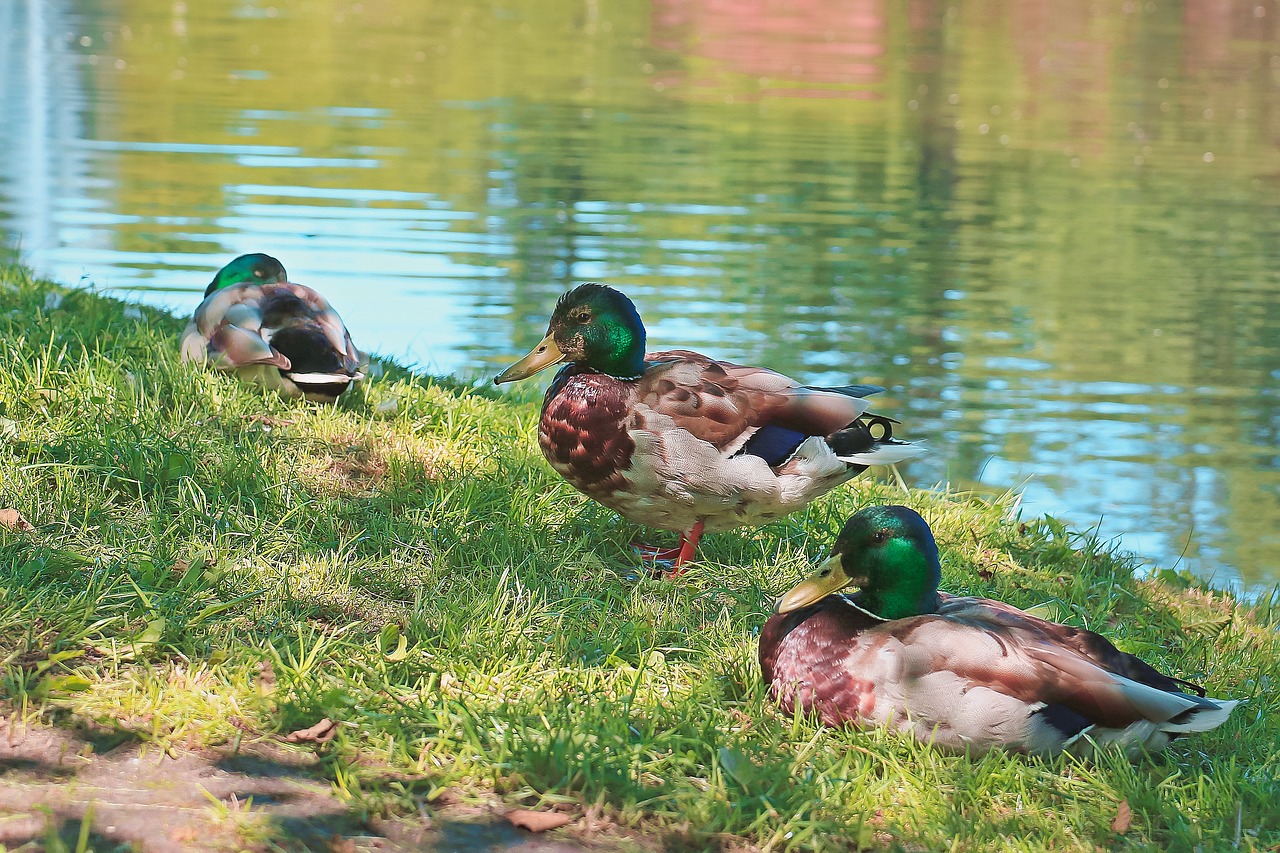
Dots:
(184, 834)
(737, 765)
(339, 844)
(1124, 817)
(1208, 627)
(322, 732)
(537, 821)
(13, 520)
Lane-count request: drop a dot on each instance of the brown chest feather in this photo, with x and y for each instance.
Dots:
(815, 676)
(583, 431)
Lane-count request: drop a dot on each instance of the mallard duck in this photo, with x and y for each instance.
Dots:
(682, 442)
(256, 324)
(253, 268)
(959, 672)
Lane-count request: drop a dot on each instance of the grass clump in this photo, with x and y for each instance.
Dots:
(211, 564)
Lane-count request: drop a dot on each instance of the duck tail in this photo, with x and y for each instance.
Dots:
(1202, 718)
(316, 367)
(301, 379)
(869, 441)
(1150, 735)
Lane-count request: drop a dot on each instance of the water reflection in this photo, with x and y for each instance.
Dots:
(1051, 231)
(805, 48)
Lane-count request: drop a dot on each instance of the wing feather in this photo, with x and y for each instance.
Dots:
(1024, 657)
(232, 346)
(718, 401)
(232, 321)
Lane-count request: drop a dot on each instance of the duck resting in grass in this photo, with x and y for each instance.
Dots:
(258, 325)
(682, 442)
(960, 672)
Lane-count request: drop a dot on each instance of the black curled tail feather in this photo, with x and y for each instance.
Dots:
(862, 436)
(1194, 688)
(308, 347)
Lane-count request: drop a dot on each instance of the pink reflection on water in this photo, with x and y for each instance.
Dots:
(1066, 55)
(1228, 37)
(827, 42)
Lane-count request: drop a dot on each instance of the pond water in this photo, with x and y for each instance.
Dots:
(1052, 230)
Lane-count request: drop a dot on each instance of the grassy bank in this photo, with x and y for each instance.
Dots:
(212, 565)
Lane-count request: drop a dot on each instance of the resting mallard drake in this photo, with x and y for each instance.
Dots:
(256, 324)
(956, 671)
(682, 442)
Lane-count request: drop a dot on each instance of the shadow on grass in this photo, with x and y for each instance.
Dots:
(36, 768)
(64, 835)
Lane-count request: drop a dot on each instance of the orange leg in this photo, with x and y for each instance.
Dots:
(674, 557)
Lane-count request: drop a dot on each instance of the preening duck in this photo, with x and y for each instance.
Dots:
(961, 672)
(263, 328)
(682, 442)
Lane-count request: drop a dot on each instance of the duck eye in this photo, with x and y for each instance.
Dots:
(582, 317)
(880, 537)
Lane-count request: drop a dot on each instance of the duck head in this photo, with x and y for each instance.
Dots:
(889, 554)
(256, 268)
(593, 325)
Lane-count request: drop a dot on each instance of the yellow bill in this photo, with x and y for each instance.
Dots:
(827, 579)
(541, 357)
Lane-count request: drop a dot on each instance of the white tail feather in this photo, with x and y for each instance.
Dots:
(1158, 706)
(1150, 735)
(323, 378)
(1203, 719)
(885, 454)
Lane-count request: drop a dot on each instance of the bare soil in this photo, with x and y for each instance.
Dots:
(261, 797)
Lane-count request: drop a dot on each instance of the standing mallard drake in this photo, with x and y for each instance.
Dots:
(256, 324)
(959, 672)
(682, 442)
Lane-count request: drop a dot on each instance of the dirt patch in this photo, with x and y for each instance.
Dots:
(138, 797)
(354, 468)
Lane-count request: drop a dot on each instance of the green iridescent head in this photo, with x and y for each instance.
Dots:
(888, 552)
(592, 325)
(257, 268)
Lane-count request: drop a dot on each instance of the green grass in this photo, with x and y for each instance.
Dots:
(214, 565)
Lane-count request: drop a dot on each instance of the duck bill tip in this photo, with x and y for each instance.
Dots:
(829, 578)
(539, 358)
